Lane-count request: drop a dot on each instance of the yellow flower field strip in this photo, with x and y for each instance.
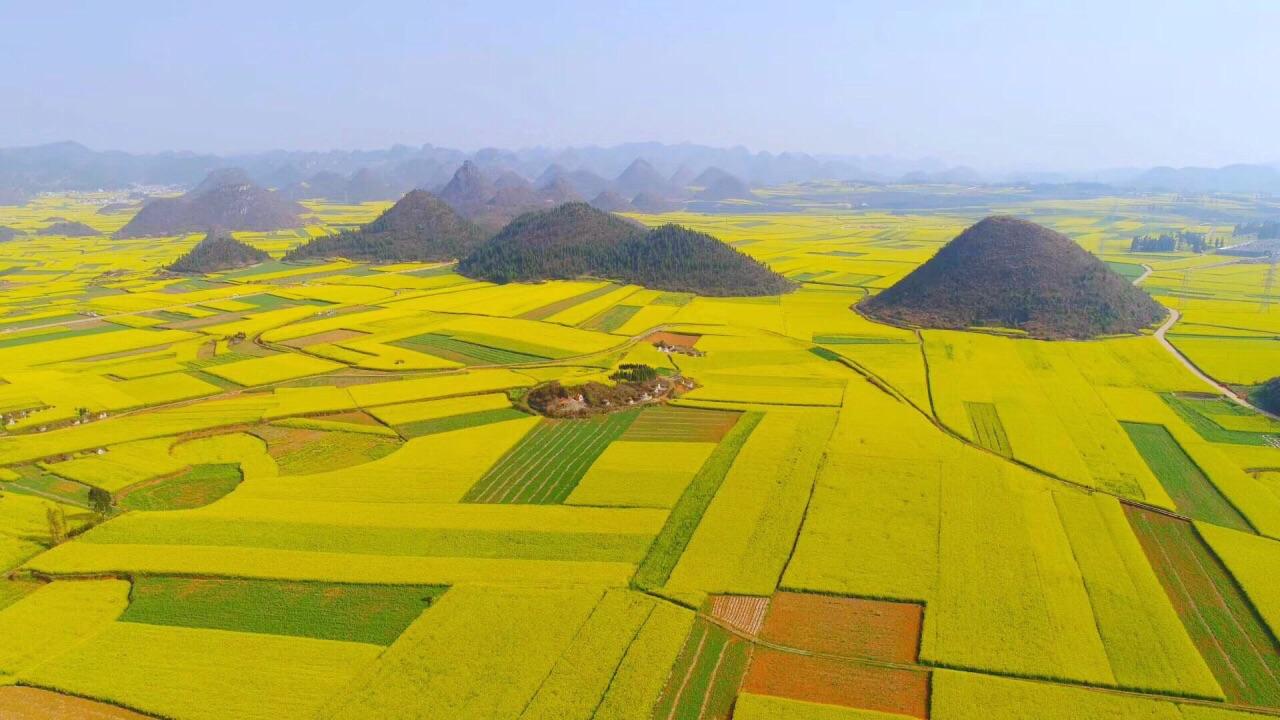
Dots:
(505, 640)
(532, 518)
(437, 468)
(402, 413)
(549, 544)
(965, 696)
(89, 558)
(641, 474)
(275, 368)
(586, 669)
(427, 388)
(1144, 638)
(643, 670)
(766, 707)
(56, 618)
(206, 674)
(122, 465)
(1035, 595)
(1254, 563)
(724, 387)
(747, 531)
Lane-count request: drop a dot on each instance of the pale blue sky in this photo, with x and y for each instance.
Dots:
(993, 84)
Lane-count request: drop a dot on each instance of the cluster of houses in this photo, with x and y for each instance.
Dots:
(83, 416)
(666, 347)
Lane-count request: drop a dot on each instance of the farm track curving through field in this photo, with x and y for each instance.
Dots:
(1186, 362)
(1162, 331)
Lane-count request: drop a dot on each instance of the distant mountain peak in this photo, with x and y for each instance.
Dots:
(641, 177)
(610, 201)
(468, 188)
(221, 178)
(225, 199)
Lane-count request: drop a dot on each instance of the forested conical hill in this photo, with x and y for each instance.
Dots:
(673, 257)
(216, 252)
(577, 240)
(68, 229)
(1009, 273)
(420, 227)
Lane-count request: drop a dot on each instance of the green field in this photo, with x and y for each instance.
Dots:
(468, 353)
(547, 464)
(612, 319)
(988, 429)
(458, 422)
(357, 613)
(193, 488)
(705, 678)
(1128, 271)
(1192, 492)
(1240, 650)
(1200, 414)
(687, 513)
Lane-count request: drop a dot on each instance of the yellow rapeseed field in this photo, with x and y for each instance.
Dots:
(987, 478)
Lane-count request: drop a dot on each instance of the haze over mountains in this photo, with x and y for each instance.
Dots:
(362, 175)
(225, 199)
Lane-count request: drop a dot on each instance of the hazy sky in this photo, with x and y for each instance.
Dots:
(992, 84)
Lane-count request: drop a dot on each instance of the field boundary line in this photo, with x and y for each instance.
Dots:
(625, 654)
(1217, 591)
(1153, 533)
(930, 668)
(893, 392)
(813, 488)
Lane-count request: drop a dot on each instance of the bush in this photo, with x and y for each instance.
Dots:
(1267, 397)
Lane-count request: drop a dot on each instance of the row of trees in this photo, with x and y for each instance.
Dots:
(1174, 241)
(1265, 230)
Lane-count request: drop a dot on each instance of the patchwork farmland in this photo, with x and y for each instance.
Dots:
(315, 489)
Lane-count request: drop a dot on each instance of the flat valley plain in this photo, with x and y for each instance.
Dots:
(325, 503)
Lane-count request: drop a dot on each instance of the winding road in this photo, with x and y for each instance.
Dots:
(1174, 317)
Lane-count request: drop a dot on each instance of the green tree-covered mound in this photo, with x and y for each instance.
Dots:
(577, 240)
(1010, 273)
(68, 229)
(218, 251)
(419, 228)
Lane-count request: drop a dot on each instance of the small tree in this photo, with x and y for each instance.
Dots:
(57, 519)
(101, 501)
